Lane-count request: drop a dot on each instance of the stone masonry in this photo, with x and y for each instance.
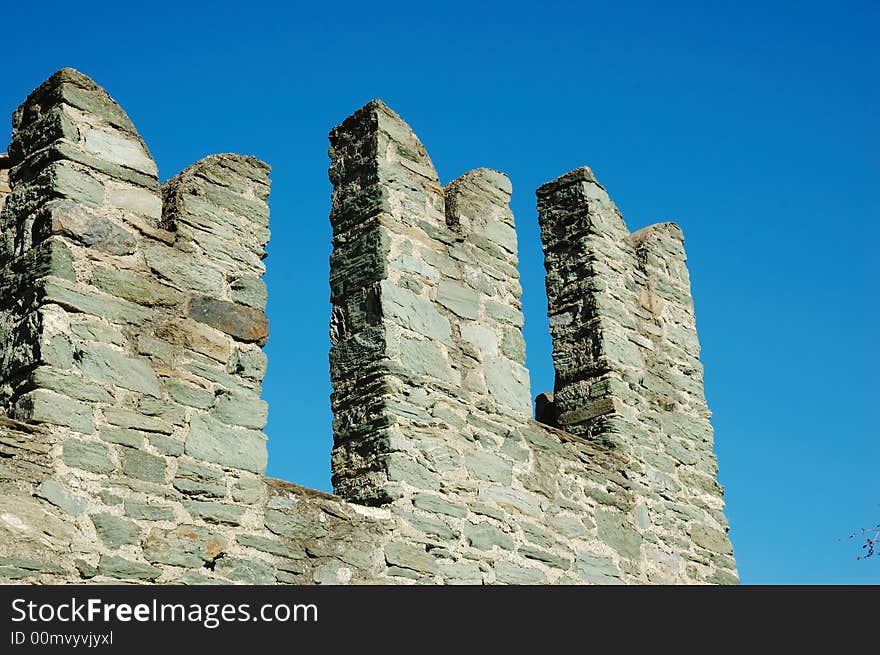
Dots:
(131, 331)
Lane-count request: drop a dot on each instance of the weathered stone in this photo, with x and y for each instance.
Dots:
(42, 406)
(485, 536)
(64, 382)
(459, 299)
(126, 418)
(114, 566)
(187, 394)
(249, 363)
(199, 479)
(148, 512)
(87, 455)
(238, 321)
(410, 557)
(247, 490)
(56, 494)
(143, 466)
(488, 466)
(78, 223)
(115, 531)
(240, 409)
(282, 548)
(594, 569)
(414, 313)
(133, 287)
(615, 531)
(710, 539)
(514, 574)
(184, 271)
(215, 512)
(186, 545)
(249, 290)
(248, 571)
(212, 441)
(123, 436)
(80, 299)
(110, 366)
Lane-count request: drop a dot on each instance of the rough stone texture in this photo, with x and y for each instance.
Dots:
(131, 325)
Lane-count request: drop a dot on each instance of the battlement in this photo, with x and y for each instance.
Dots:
(131, 331)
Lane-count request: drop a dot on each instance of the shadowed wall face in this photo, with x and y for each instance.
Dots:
(131, 332)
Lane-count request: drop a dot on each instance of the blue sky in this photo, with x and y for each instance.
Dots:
(753, 125)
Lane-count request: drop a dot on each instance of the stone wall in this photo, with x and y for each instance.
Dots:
(131, 332)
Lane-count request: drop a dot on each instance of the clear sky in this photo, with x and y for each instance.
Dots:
(751, 124)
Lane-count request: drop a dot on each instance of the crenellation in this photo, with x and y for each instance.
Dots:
(132, 320)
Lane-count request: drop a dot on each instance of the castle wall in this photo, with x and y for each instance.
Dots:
(131, 332)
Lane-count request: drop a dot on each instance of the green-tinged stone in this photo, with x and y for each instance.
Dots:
(243, 570)
(69, 182)
(595, 569)
(186, 545)
(290, 523)
(249, 290)
(133, 287)
(282, 548)
(438, 505)
(187, 394)
(166, 445)
(198, 479)
(410, 557)
(461, 572)
(79, 223)
(148, 512)
(64, 382)
(488, 466)
(184, 271)
(215, 512)
(109, 499)
(551, 559)
(110, 366)
(85, 569)
(96, 102)
(515, 574)
(427, 524)
(400, 468)
(711, 539)
(114, 530)
(59, 496)
(126, 418)
(79, 298)
(213, 441)
(42, 406)
(460, 299)
(520, 501)
(114, 566)
(485, 536)
(143, 466)
(31, 564)
(513, 346)
(94, 329)
(87, 455)
(123, 436)
(615, 531)
(413, 312)
(423, 357)
(248, 490)
(248, 411)
(249, 362)
(170, 412)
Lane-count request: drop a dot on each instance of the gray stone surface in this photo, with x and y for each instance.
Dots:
(131, 331)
